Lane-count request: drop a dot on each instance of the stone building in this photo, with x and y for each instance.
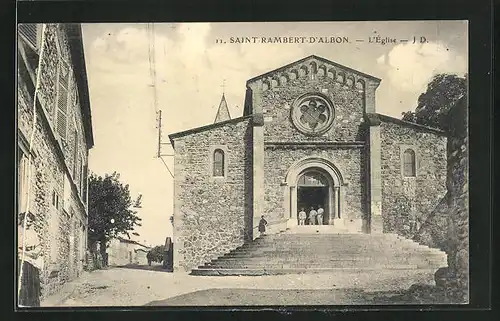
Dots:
(54, 135)
(123, 251)
(309, 135)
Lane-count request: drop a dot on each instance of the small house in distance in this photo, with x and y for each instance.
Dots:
(122, 252)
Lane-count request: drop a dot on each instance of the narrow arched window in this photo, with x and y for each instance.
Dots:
(218, 162)
(409, 168)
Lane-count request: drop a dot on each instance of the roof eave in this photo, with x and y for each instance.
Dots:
(375, 79)
(173, 136)
(75, 40)
(401, 122)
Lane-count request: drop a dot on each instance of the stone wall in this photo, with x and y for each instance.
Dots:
(61, 226)
(350, 162)
(282, 88)
(434, 231)
(408, 201)
(124, 252)
(456, 277)
(211, 214)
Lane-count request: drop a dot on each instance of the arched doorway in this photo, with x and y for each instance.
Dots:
(313, 191)
(300, 183)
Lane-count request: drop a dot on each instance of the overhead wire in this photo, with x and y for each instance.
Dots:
(152, 72)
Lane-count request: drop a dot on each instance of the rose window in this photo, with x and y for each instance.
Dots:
(313, 114)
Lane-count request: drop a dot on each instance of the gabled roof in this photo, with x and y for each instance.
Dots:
(206, 127)
(404, 123)
(223, 111)
(124, 240)
(321, 59)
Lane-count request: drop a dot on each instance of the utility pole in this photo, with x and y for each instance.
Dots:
(159, 133)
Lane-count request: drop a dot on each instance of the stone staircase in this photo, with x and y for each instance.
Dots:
(317, 249)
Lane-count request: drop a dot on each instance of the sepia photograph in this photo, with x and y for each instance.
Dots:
(242, 164)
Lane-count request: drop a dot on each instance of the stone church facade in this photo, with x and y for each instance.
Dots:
(309, 136)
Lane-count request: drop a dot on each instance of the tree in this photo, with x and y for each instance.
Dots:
(433, 105)
(156, 254)
(110, 210)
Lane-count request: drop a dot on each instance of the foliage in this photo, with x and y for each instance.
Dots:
(156, 254)
(110, 208)
(433, 105)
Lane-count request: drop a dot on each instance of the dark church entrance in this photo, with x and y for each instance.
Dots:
(312, 192)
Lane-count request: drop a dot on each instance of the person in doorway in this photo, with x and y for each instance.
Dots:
(302, 216)
(262, 225)
(30, 262)
(319, 216)
(312, 216)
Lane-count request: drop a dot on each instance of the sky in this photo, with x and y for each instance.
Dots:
(190, 68)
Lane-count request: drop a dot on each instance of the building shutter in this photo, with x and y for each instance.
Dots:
(30, 33)
(77, 177)
(75, 153)
(23, 183)
(62, 100)
(84, 183)
(81, 177)
(66, 193)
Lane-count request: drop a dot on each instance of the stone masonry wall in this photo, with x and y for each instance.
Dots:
(282, 90)
(407, 201)
(350, 161)
(434, 231)
(211, 215)
(456, 278)
(122, 253)
(61, 228)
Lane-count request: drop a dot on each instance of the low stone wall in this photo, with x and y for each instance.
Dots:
(434, 231)
(455, 278)
(447, 227)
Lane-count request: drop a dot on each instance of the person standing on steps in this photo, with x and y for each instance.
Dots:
(320, 215)
(302, 216)
(262, 225)
(312, 216)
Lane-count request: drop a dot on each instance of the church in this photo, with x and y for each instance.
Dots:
(309, 136)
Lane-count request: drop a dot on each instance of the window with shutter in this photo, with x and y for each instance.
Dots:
(22, 183)
(30, 33)
(82, 177)
(76, 179)
(62, 100)
(75, 152)
(409, 166)
(84, 182)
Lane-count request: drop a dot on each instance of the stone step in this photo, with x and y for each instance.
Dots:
(244, 265)
(256, 272)
(313, 253)
(325, 262)
(311, 266)
(330, 253)
(322, 245)
(317, 256)
(328, 236)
